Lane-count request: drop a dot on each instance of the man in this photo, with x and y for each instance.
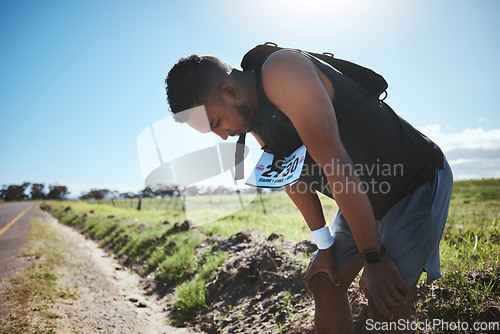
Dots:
(391, 183)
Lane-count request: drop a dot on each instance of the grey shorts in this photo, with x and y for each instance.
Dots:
(410, 231)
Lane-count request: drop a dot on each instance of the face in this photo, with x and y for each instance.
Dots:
(228, 120)
(222, 119)
(231, 115)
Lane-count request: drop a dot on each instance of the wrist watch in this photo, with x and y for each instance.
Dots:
(373, 256)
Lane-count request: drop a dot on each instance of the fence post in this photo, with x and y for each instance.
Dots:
(259, 191)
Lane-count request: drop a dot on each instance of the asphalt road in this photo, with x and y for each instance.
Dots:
(14, 224)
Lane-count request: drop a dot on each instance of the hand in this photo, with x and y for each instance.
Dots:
(323, 260)
(383, 282)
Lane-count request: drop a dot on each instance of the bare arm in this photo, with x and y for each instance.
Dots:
(308, 203)
(293, 84)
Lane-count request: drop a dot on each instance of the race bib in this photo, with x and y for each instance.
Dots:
(285, 171)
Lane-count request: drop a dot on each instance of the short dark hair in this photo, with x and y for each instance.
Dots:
(194, 81)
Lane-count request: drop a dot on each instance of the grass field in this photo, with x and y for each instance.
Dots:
(470, 256)
(161, 246)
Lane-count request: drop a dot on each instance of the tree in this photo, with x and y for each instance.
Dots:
(128, 195)
(57, 192)
(147, 192)
(96, 194)
(221, 190)
(166, 191)
(14, 192)
(37, 191)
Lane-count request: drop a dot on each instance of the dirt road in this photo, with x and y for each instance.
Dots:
(108, 298)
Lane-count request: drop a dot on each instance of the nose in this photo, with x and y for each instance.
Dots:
(222, 133)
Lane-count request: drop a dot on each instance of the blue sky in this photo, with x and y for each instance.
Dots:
(80, 80)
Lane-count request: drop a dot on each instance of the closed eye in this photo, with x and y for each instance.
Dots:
(216, 125)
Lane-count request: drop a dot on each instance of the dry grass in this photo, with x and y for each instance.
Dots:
(34, 289)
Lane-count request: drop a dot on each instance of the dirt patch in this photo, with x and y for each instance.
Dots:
(96, 294)
(110, 298)
(260, 288)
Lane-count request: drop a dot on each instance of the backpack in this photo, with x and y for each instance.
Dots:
(373, 82)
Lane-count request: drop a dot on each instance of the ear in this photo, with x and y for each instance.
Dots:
(229, 93)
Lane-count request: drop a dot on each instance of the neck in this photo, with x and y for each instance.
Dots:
(247, 82)
(248, 86)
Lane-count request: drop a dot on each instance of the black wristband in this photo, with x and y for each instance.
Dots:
(373, 256)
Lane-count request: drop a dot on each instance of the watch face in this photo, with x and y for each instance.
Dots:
(371, 256)
(374, 256)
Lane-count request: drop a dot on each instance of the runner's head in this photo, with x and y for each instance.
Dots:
(206, 93)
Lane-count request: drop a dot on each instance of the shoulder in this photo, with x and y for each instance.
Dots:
(289, 75)
(287, 70)
(287, 61)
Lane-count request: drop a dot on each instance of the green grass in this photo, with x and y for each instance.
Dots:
(472, 234)
(470, 255)
(48, 277)
(192, 295)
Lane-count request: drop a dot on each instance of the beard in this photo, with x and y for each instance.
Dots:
(247, 114)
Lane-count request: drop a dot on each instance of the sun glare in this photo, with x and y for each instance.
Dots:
(340, 16)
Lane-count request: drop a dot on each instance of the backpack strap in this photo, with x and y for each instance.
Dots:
(239, 156)
(373, 82)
